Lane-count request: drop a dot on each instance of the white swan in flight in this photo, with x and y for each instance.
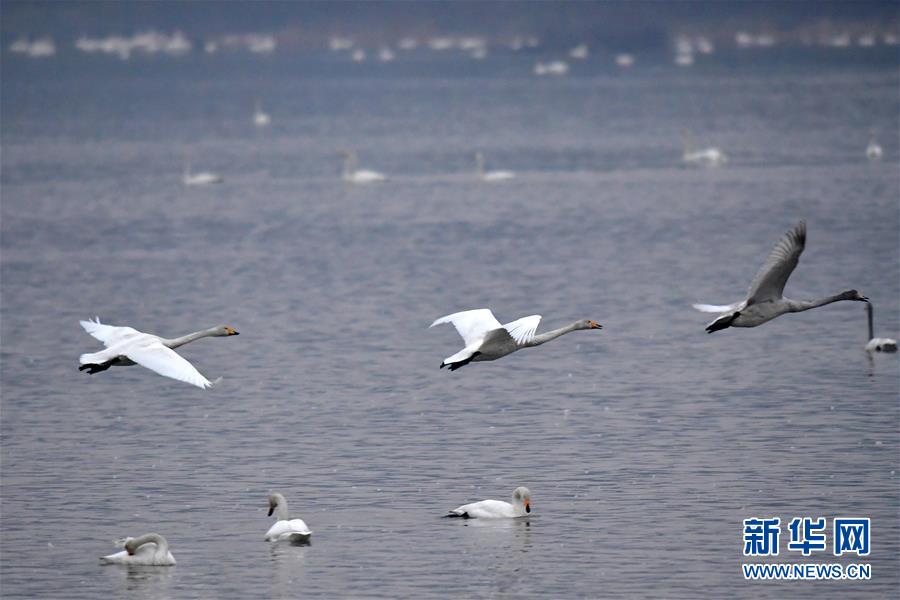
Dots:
(873, 150)
(149, 550)
(764, 299)
(878, 344)
(487, 339)
(497, 509)
(260, 117)
(285, 528)
(126, 346)
(201, 178)
(355, 175)
(490, 175)
(707, 157)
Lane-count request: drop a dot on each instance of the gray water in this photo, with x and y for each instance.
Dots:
(645, 445)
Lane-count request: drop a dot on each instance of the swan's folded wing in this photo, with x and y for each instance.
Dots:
(522, 330)
(471, 324)
(166, 362)
(486, 509)
(771, 278)
(717, 308)
(108, 334)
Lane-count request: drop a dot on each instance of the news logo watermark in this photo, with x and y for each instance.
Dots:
(808, 536)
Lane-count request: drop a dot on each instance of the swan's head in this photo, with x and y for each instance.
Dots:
(521, 499)
(225, 330)
(589, 324)
(275, 500)
(853, 295)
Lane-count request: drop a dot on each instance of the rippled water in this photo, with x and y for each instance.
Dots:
(644, 445)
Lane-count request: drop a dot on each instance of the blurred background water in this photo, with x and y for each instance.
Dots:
(645, 445)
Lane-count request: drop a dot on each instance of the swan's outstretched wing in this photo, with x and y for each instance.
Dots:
(471, 324)
(522, 330)
(771, 278)
(717, 308)
(165, 361)
(108, 334)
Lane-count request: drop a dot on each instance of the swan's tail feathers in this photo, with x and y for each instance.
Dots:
(722, 322)
(455, 362)
(714, 308)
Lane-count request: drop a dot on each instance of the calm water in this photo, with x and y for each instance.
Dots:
(645, 445)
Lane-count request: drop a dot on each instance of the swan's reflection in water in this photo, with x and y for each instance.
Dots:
(511, 538)
(145, 581)
(288, 560)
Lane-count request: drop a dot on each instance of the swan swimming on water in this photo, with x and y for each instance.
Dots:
(497, 509)
(873, 150)
(764, 299)
(707, 157)
(878, 344)
(126, 346)
(202, 178)
(354, 175)
(285, 528)
(149, 550)
(490, 175)
(486, 339)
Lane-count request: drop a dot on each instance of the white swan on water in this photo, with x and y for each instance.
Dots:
(149, 550)
(285, 528)
(497, 509)
(260, 117)
(765, 300)
(126, 346)
(487, 339)
(878, 344)
(490, 175)
(355, 175)
(873, 150)
(706, 157)
(201, 178)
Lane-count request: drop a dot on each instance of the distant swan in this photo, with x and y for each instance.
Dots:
(707, 157)
(260, 117)
(490, 175)
(878, 344)
(202, 178)
(497, 509)
(764, 299)
(873, 150)
(126, 346)
(149, 550)
(487, 339)
(285, 528)
(354, 175)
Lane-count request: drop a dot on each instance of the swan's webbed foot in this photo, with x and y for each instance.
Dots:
(722, 322)
(91, 369)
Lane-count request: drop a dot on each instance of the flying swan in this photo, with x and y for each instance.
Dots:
(878, 344)
(487, 339)
(764, 299)
(354, 175)
(497, 509)
(126, 346)
(150, 550)
(285, 528)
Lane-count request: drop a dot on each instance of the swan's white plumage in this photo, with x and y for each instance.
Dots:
(716, 308)
(497, 509)
(472, 325)
(523, 330)
(108, 334)
(152, 553)
(288, 530)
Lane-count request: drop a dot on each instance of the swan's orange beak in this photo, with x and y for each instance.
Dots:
(231, 331)
(528, 506)
(596, 325)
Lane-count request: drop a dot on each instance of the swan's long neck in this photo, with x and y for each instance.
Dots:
(162, 546)
(552, 335)
(186, 339)
(801, 305)
(869, 310)
(281, 511)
